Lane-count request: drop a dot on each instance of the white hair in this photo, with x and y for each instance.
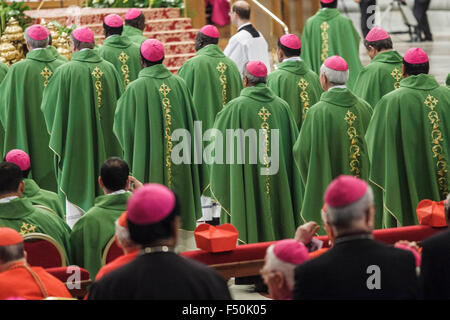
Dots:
(333, 76)
(123, 236)
(251, 78)
(35, 43)
(344, 217)
(275, 264)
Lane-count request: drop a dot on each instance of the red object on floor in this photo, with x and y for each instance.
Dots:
(216, 239)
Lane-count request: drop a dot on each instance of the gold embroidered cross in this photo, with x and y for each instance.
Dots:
(303, 84)
(164, 89)
(27, 228)
(324, 26)
(221, 67)
(97, 73)
(46, 73)
(396, 74)
(431, 102)
(350, 117)
(264, 114)
(123, 57)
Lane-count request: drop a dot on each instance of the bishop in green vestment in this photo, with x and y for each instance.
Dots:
(134, 26)
(78, 105)
(17, 212)
(294, 81)
(384, 72)
(119, 50)
(3, 71)
(93, 231)
(409, 144)
(330, 33)
(153, 108)
(20, 103)
(253, 175)
(331, 141)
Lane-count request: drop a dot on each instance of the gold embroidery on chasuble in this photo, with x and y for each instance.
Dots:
(123, 58)
(164, 90)
(303, 84)
(436, 139)
(324, 26)
(221, 68)
(46, 73)
(354, 149)
(26, 228)
(98, 74)
(397, 75)
(264, 114)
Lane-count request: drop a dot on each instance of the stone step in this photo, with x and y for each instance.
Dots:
(177, 60)
(167, 36)
(182, 47)
(153, 25)
(90, 16)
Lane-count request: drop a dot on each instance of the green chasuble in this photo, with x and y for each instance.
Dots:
(447, 81)
(3, 71)
(20, 215)
(296, 84)
(93, 230)
(78, 105)
(331, 143)
(381, 76)
(150, 110)
(330, 33)
(44, 198)
(264, 205)
(21, 115)
(54, 52)
(124, 55)
(134, 34)
(409, 149)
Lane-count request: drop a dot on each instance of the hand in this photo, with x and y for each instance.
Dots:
(134, 183)
(306, 232)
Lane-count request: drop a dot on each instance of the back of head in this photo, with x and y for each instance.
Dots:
(290, 45)
(83, 38)
(10, 178)
(255, 72)
(135, 18)
(206, 36)
(112, 25)
(21, 159)
(11, 245)
(329, 3)
(114, 173)
(152, 52)
(379, 39)
(415, 62)
(37, 36)
(336, 70)
(242, 9)
(151, 213)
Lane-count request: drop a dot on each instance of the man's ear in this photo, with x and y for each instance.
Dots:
(403, 71)
(100, 182)
(21, 188)
(278, 279)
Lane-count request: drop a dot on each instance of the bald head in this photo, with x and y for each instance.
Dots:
(242, 10)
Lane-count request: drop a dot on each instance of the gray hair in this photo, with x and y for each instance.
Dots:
(34, 44)
(275, 264)
(81, 45)
(344, 217)
(251, 78)
(11, 253)
(335, 77)
(123, 236)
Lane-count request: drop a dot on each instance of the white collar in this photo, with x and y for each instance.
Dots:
(8, 199)
(342, 86)
(245, 24)
(38, 49)
(117, 192)
(85, 49)
(113, 35)
(293, 59)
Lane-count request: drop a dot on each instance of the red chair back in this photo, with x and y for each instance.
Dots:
(111, 251)
(63, 273)
(43, 251)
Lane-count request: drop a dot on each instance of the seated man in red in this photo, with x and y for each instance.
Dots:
(123, 240)
(18, 279)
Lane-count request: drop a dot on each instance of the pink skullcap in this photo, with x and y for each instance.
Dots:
(152, 50)
(291, 41)
(132, 14)
(415, 56)
(19, 158)
(257, 68)
(37, 32)
(210, 31)
(377, 34)
(113, 21)
(344, 190)
(291, 251)
(326, 1)
(336, 63)
(83, 34)
(150, 204)
(416, 254)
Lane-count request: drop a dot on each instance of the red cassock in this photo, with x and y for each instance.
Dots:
(30, 283)
(116, 263)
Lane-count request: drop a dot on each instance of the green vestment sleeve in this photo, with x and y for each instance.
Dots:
(45, 198)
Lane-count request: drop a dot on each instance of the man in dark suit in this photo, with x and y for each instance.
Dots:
(356, 267)
(420, 12)
(367, 10)
(434, 271)
(157, 273)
